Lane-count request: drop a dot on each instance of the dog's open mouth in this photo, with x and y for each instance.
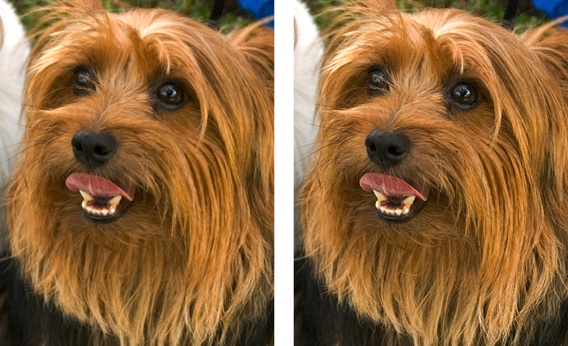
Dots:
(397, 200)
(103, 201)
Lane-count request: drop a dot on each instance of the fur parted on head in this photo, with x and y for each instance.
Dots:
(469, 120)
(187, 114)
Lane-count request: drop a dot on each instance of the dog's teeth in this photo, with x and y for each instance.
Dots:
(87, 197)
(380, 196)
(400, 210)
(113, 202)
(409, 200)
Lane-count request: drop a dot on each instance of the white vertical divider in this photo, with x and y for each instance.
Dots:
(284, 174)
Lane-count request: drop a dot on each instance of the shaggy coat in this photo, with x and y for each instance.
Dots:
(187, 114)
(476, 119)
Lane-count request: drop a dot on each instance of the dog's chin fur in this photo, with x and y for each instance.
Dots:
(484, 262)
(190, 262)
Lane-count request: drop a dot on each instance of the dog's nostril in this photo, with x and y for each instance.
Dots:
(386, 149)
(371, 147)
(101, 151)
(93, 149)
(395, 151)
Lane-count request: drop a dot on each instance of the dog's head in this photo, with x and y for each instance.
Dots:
(440, 158)
(147, 157)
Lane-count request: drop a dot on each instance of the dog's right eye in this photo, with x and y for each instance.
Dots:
(464, 95)
(171, 95)
(83, 82)
(377, 83)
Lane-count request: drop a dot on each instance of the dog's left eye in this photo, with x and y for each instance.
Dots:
(464, 95)
(377, 82)
(83, 82)
(170, 95)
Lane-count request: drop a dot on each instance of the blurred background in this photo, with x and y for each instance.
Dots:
(234, 14)
(528, 15)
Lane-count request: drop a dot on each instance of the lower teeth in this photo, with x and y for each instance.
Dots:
(99, 212)
(92, 207)
(396, 211)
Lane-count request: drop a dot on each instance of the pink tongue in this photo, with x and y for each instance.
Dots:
(391, 186)
(96, 186)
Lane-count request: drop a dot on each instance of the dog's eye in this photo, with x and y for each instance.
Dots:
(170, 95)
(83, 82)
(464, 95)
(377, 83)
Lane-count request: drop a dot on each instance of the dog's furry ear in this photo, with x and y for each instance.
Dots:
(550, 44)
(256, 42)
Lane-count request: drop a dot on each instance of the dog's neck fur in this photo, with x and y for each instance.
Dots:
(191, 260)
(488, 252)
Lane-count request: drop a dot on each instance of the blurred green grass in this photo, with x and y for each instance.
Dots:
(493, 10)
(196, 9)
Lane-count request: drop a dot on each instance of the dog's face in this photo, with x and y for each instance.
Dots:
(435, 144)
(147, 149)
(132, 110)
(434, 115)
(427, 118)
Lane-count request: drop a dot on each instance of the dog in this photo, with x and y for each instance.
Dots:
(141, 209)
(308, 51)
(433, 211)
(14, 50)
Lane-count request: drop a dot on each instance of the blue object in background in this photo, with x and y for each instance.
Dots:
(553, 8)
(260, 9)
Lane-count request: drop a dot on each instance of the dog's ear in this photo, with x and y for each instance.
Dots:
(256, 42)
(551, 44)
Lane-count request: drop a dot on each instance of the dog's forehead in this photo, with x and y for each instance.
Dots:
(141, 37)
(446, 41)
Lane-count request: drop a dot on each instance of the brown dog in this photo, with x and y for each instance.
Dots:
(434, 208)
(140, 212)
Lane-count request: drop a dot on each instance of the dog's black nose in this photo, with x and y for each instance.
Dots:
(386, 149)
(92, 149)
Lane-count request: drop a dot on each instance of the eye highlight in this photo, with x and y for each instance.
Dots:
(83, 82)
(464, 95)
(377, 82)
(171, 95)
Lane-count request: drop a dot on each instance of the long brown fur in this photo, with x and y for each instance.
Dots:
(485, 260)
(192, 258)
